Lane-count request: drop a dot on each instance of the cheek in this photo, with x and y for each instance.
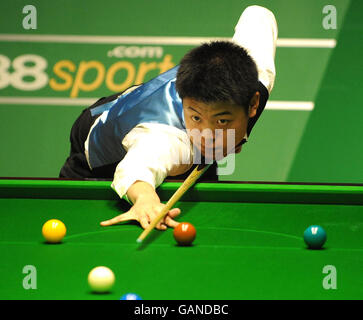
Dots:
(191, 127)
(233, 136)
(241, 129)
(192, 131)
(189, 124)
(231, 139)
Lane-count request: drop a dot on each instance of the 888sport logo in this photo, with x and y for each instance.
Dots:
(117, 70)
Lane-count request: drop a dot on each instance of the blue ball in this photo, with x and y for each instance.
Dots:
(130, 296)
(315, 237)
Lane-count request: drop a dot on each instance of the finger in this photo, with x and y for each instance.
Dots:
(173, 213)
(152, 215)
(110, 222)
(120, 218)
(169, 218)
(170, 222)
(144, 221)
(160, 225)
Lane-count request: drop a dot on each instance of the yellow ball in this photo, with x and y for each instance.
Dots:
(54, 231)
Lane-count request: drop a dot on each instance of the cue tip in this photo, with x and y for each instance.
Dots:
(138, 240)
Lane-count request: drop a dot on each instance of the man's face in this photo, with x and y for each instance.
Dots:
(218, 115)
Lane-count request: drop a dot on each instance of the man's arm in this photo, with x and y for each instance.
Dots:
(152, 155)
(153, 152)
(256, 31)
(142, 191)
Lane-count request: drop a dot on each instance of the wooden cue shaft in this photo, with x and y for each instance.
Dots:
(189, 181)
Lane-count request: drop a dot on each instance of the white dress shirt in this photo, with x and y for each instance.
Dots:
(256, 31)
(155, 151)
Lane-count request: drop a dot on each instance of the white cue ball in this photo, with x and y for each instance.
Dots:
(101, 279)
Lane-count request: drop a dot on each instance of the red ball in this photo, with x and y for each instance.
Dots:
(184, 233)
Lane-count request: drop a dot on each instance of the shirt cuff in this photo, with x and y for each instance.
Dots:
(122, 182)
(126, 198)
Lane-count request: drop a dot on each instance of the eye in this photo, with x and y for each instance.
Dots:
(223, 121)
(195, 118)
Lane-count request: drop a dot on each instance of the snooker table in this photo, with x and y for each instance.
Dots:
(249, 242)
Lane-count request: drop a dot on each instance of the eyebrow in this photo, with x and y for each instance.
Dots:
(215, 115)
(222, 113)
(194, 110)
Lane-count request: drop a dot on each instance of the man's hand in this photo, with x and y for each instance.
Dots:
(144, 213)
(146, 207)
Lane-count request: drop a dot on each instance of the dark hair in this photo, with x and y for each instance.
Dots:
(218, 71)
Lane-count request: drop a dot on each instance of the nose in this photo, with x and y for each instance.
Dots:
(209, 141)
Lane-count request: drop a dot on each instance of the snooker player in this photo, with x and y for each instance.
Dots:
(141, 136)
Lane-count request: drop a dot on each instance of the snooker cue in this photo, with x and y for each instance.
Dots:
(189, 181)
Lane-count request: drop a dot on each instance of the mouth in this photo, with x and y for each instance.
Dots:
(213, 148)
(211, 153)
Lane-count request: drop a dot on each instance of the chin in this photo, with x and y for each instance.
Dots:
(213, 156)
(238, 150)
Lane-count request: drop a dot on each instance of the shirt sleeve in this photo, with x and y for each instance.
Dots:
(154, 151)
(256, 31)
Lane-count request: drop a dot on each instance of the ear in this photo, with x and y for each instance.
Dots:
(254, 103)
